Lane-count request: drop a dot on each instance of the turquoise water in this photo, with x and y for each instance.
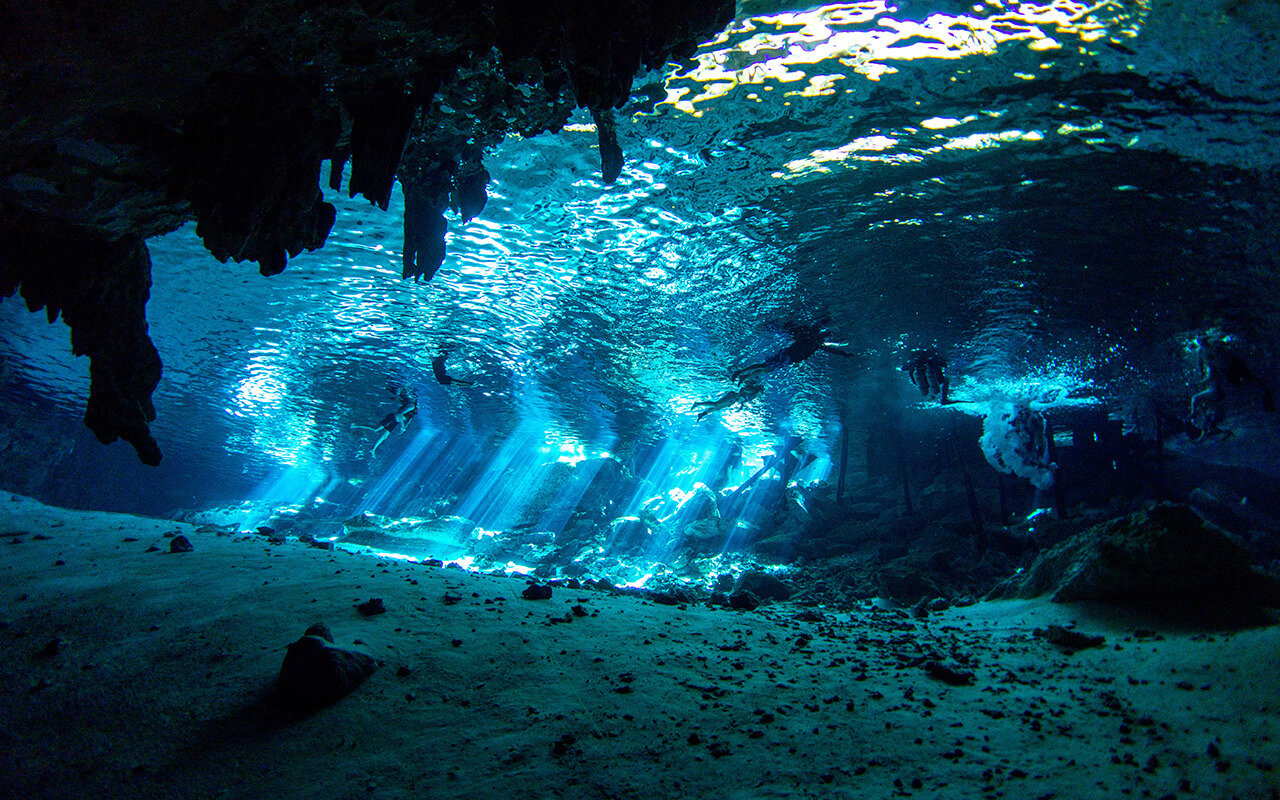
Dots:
(1059, 198)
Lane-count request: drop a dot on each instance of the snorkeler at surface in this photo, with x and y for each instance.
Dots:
(1220, 367)
(437, 369)
(806, 341)
(396, 421)
(926, 370)
(749, 391)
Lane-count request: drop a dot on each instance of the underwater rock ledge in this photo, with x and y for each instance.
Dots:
(1165, 556)
(123, 121)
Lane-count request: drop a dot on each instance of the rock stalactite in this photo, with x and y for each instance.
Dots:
(100, 288)
(120, 122)
(249, 163)
(380, 123)
(425, 201)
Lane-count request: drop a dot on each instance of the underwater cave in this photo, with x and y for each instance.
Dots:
(640, 398)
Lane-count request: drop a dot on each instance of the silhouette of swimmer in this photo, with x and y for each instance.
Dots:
(437, 369)
(926, 370)
(805, 342)
(746, 394)
(396, 421)
(1220, 367)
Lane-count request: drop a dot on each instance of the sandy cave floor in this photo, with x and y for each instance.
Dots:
(161, 686)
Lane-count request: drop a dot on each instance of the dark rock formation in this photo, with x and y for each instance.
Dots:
(100, 288)
(744, 601)
(121, 121)
(316, 674)
(764, 586)
(1161, 555)
(536, 591)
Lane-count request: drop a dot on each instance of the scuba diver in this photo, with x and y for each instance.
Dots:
(749, 391)
(437, 369)
(806, 341)
(925, 368)
(396, 421)
(1220, 367)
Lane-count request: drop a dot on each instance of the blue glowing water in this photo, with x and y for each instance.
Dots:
(1060, 198)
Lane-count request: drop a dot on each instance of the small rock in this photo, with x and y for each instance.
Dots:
(180, 544)
(948, 675)
(536, 591)
(51, 648)
(1072, 640)
(371, 607)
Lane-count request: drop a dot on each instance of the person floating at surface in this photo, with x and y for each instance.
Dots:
(437, 369)
(807, 341)
(1220, 367)
(397, 420)
(926, 370)
(749, 391)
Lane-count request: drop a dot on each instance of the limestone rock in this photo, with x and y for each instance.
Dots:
(1166, 553)
(315, 673)
(626, 533)
(764, 586)
(223, 112)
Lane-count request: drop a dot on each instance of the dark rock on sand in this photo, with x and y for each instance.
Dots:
(744, 600)
(371, 607)
(316, 674)
(1065, 637)
(180, 544)
(50, 649)
(764, 586)
(536, 591)
(1162, 554)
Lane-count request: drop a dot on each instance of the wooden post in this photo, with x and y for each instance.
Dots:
(902, 470)
(1058, 501)
(844, 462)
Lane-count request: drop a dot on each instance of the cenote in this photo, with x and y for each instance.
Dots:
(640, 399)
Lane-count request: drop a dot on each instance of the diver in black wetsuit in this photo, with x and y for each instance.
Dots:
(1220, 368)
(806, 341)
(926, 370)
(437, 369)
(396, 421)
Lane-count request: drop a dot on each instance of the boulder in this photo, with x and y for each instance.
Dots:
(906, 580)
(315, 673)
(442, 537)
(706, 536)
(627, 533)
(764, 586)
(1159, 555)
(699, 504)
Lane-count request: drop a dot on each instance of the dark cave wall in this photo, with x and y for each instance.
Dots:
(121, 120)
